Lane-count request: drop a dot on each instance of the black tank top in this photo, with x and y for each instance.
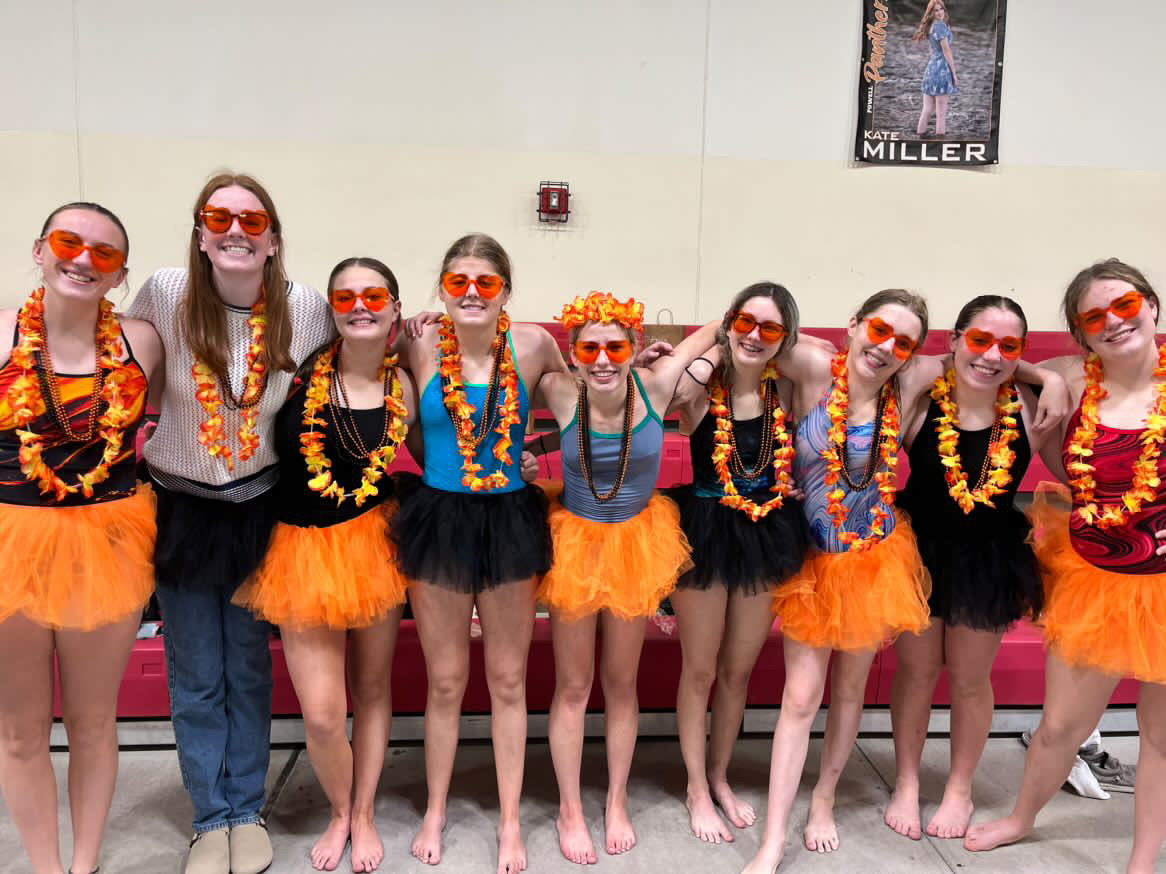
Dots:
(926, 496)
(298, 504)
(747, 435)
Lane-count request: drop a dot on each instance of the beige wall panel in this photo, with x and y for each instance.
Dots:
(37, 66)
(522, 74)
(633, 226)
(835, 235)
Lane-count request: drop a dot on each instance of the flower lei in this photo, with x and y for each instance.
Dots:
(783, 449)
(602, 307)
(1144, 488)
(211, 433)
(997, 476)
(25, 398)
(887, 439)
(312, 441)
(461, 411)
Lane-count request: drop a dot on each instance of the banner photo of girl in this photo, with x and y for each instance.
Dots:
(929, 84)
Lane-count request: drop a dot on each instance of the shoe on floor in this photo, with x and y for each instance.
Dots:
(209, 853)
(250, 849)
(1110, 772)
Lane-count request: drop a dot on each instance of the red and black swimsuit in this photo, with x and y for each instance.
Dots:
(64, 455)
(1128, 548)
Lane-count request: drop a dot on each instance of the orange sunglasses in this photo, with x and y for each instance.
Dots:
(374, 299)
(217, 220)
(979, 342)
(771, 332)
(880, 332)
(618, 351)
(67, 245)
(489, 285)
(1125, 307)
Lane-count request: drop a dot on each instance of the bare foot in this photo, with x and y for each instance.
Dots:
(740, 813)
(367, 849)
(427, 843)
(705, 822)
(821, 833)
(903, 812)
(953, 816)
(766, 860)
(575, 839)
(329, 850)
(990, 835)
(511, 849)
(621, 836)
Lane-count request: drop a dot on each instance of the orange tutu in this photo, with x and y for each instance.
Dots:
(624, 567)
(341, 576)
(855, 601)
(1096, 618)
(77, 567)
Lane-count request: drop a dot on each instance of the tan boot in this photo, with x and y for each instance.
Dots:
(250, 849)
(209, 853)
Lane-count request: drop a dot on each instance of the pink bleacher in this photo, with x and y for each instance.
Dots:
(1017, 676)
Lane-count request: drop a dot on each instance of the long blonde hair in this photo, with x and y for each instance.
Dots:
(204, 318)
(928, 19)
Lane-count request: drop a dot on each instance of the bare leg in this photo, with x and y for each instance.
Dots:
(941, 103)
(1075, 698)
(805, 680)
(970, 655)
(507, 614)
(370, 671)
(26, 717)
(315, 661)
(925, 115)
(700, 618)
(443, 626)
(92, 664)
(574, 645)
(920, 662)
(1150, 797)
(623, 641)
(847, 693)
(747, 627)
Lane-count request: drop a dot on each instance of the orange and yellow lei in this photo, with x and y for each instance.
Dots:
(25, 398)
(461, 411)
(207, 392)
(783, 449)
(1000, 455)
(312, 440)
(603, 308)
(887, 437)
(1144, 488)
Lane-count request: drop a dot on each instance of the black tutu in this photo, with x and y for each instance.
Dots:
(203, 543)
(470, 542)
(984, 575)
(730, 549)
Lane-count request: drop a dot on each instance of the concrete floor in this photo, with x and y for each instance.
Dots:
(149, 824)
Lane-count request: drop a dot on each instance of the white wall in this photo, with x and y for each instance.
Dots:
(705, 141)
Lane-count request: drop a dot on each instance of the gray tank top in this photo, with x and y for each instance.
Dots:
(643, 467)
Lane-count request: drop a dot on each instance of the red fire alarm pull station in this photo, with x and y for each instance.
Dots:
(553, 200)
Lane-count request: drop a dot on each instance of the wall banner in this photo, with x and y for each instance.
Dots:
(929, 84)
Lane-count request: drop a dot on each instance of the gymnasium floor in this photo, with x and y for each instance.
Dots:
(149, 824)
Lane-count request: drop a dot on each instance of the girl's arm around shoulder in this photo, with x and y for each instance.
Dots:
(150, 354)
(807, 365)
(662, 379)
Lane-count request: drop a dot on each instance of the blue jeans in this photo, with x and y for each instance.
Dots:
(219, 668)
